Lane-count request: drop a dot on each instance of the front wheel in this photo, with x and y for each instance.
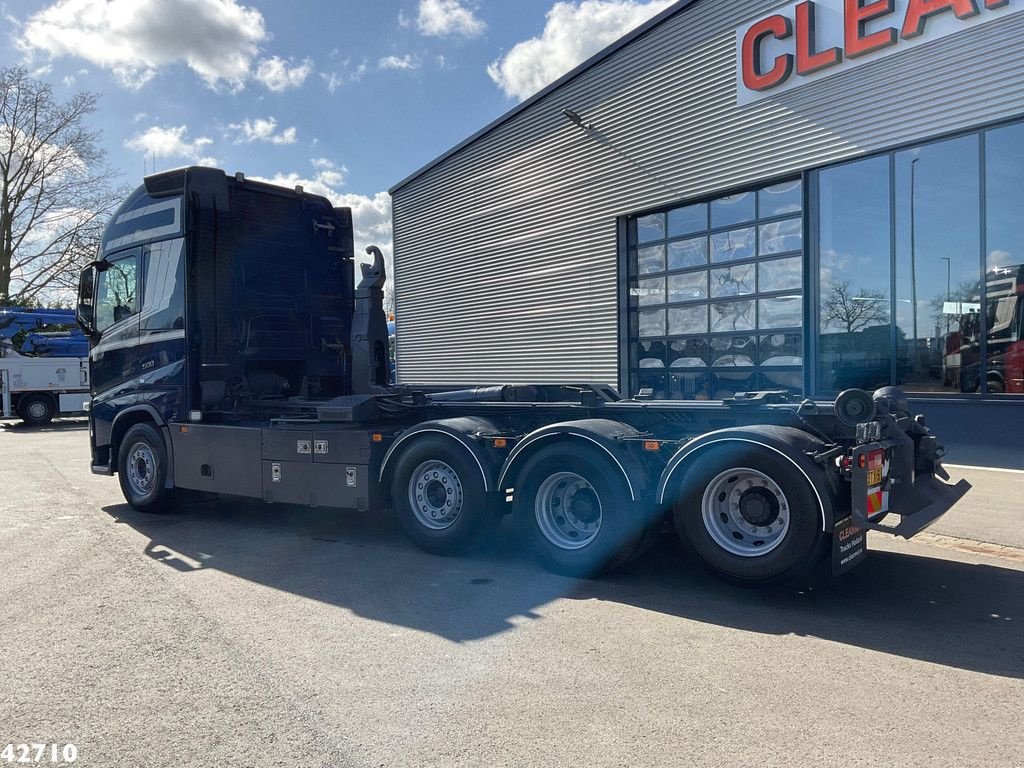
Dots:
(142, 469)
(749, 515)
(36, 410)
(575, 511)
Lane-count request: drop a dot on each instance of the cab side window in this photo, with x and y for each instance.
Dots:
(117, 292)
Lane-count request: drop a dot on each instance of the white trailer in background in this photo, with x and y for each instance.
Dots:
(35, 389)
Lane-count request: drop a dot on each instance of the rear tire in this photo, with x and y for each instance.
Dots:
(142, 469)
(36, 410)
(749, 516)
(438, 495)
(574, 510)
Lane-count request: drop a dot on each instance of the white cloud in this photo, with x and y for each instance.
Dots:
(172, 142)
(263, 129)
(400, 63)
(327, 179)
(350, 73)
(279, 74)
(448, 18)
(217, 39)
(571, 35)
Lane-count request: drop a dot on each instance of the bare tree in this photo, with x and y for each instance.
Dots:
(855, 312)
(56, 190)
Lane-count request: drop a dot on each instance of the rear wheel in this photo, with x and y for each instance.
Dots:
(36, 410)
(748, 515)
(142, 469)
(575, 511)
(438, 494)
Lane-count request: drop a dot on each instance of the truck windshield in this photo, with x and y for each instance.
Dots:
(117, 292)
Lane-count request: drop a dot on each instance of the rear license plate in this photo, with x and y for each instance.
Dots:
(849, 546)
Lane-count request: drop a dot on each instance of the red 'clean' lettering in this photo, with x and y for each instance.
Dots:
(857, 14)
(919, 11)
(778, 27)
(807, 61)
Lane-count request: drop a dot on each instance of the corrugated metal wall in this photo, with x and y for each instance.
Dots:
(505, 253)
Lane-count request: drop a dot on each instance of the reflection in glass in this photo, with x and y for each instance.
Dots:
(685, 221)
(1004, 239)
(734, 209)
(652, 322)
(689, 353)
(651, 259)
(938, 241)
(650, 379)
(732, 316)
(780, 349)
(163, 304)
(783, 312)
(687, 320)
(732, 281)
(648, 354)
(734, 245)
(780, 199)
(734, 351)
(649, 292)
(688, 253)
(780, 275)
(781, 236)
(688, 286)
(854, 247)
(650, 228)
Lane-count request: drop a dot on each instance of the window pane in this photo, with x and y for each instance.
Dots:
(781, 199)
(938, 260)
(1004, 201)
(684, 221)
(649, 292)
(688, 253)
(650, 228)
(732, 316)
(733, 351)
(689, 353)
(780, 275)
(652, 322)
(781, 349)
(734, 209)
(783, 312)
(650, 260)
(650, 379)
(855, 248)
(732, 281)
(683, 321)
(688, 287)
(781, 237)
(648, 354)
(732, 246)
(117, 292)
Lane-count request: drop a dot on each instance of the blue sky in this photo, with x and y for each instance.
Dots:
(345, 96)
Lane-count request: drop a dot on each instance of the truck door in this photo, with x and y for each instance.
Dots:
(116, 357)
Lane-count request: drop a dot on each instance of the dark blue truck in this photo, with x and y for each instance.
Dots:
(233, 352)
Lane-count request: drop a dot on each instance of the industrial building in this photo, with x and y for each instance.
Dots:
(744, 195)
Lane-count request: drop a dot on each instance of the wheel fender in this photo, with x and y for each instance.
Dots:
(126, 419)
(603, 433)
(467, 432)
(794, 445)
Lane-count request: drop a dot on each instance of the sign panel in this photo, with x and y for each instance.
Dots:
(807, 41)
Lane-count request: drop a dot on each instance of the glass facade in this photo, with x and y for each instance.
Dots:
(916, 262)
(716, 295)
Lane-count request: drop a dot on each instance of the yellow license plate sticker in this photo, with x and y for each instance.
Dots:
(874, 477)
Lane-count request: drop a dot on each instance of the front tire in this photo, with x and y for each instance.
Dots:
(437, 491)
(142, 469)
(36, 410)
(575, 511)
(748, 515)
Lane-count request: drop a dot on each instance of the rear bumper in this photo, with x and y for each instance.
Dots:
(919, 507)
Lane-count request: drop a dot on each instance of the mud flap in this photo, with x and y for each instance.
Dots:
(849, 545)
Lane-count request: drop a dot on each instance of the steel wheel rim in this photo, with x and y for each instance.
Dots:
(435, 495)
(745, 512)
(568, 510)
(141, 468)
(37, 409)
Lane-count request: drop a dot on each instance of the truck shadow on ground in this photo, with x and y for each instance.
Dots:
(61, 425)
(928, 608)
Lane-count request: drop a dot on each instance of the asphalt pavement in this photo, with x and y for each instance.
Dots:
(240, 634)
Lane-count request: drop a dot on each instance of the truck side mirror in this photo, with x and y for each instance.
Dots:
(86, 296)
